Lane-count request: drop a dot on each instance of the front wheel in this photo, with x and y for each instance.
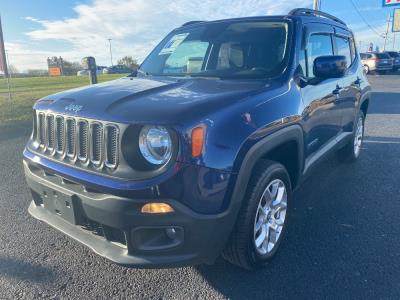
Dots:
(262, 220)
(351, 151)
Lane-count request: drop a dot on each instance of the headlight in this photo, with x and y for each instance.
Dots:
(155, 144)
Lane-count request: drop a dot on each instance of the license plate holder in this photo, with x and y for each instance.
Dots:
(60, 204)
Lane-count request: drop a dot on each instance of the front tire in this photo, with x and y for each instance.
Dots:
(262, 220)
(351, 151)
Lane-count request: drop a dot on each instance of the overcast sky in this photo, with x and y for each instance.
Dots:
(34, 30)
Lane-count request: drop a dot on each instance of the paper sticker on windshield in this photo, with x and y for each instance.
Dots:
(173, 43)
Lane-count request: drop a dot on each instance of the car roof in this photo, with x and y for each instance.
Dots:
(302, 14)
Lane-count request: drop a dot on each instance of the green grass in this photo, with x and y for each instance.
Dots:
(25, 91)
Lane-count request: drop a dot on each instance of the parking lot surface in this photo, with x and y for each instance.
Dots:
(343, 239)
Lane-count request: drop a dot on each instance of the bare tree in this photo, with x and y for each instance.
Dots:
(70, 68)
(37, 72)
(129, 61)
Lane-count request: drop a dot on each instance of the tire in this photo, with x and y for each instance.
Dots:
(351, 152)
(255, 213)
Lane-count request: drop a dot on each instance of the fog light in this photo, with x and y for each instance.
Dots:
(171, 233)
(156, 208)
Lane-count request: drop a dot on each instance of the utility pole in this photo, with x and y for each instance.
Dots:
(8, 76)
(8, 64)
(394, 41)
(387, 32)
(3, 61)
(109, 41)
(316, 4)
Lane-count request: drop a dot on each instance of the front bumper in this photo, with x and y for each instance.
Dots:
(113, 226)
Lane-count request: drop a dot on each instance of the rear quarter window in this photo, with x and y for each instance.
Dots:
(343, 48)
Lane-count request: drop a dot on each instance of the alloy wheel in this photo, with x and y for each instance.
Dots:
(270, 217)
(358, 137)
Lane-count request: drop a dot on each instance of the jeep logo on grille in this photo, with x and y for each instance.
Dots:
(73, 107)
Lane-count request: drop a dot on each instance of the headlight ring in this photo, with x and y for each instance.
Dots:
(155, 144)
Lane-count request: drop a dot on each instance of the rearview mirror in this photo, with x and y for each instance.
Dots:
(331, 66)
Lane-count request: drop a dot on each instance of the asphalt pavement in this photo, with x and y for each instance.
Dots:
(343, 239)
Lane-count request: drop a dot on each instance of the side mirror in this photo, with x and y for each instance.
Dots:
(134, 73)
(331, 66)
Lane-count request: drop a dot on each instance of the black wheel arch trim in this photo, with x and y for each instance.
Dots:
(366, 96)
(260, 149)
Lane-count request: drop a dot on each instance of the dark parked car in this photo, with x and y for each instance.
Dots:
(396, 59)
(117, 69)
(198, 153)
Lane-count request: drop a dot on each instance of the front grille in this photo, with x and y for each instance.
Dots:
(111, 234)
(83, 141)
(42, 130)
(51, 135)
(77, 140)
(71, 138)
(60, 129)
(97, 144)
(112, 146)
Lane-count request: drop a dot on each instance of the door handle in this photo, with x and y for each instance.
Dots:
(358, 81)
(337, 90)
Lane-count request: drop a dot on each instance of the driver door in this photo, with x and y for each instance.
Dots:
(322, 115)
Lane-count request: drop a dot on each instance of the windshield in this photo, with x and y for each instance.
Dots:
(227, 49)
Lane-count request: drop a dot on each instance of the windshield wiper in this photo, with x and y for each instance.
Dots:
(143, 72)
(205, 75)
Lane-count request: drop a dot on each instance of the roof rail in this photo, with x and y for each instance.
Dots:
(191, 22)
(312, 12)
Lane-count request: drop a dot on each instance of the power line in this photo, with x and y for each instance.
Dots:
(365, 21)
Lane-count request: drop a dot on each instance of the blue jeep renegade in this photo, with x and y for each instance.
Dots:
(197, 153)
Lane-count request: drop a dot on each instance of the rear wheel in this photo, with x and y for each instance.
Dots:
(351, 151)
(262, 220)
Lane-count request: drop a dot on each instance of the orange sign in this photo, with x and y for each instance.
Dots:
(55, 71)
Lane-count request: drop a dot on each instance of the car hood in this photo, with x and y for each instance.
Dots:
(144, 100)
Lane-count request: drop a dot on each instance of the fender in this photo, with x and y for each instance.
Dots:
(257, 151)
(366, 96)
